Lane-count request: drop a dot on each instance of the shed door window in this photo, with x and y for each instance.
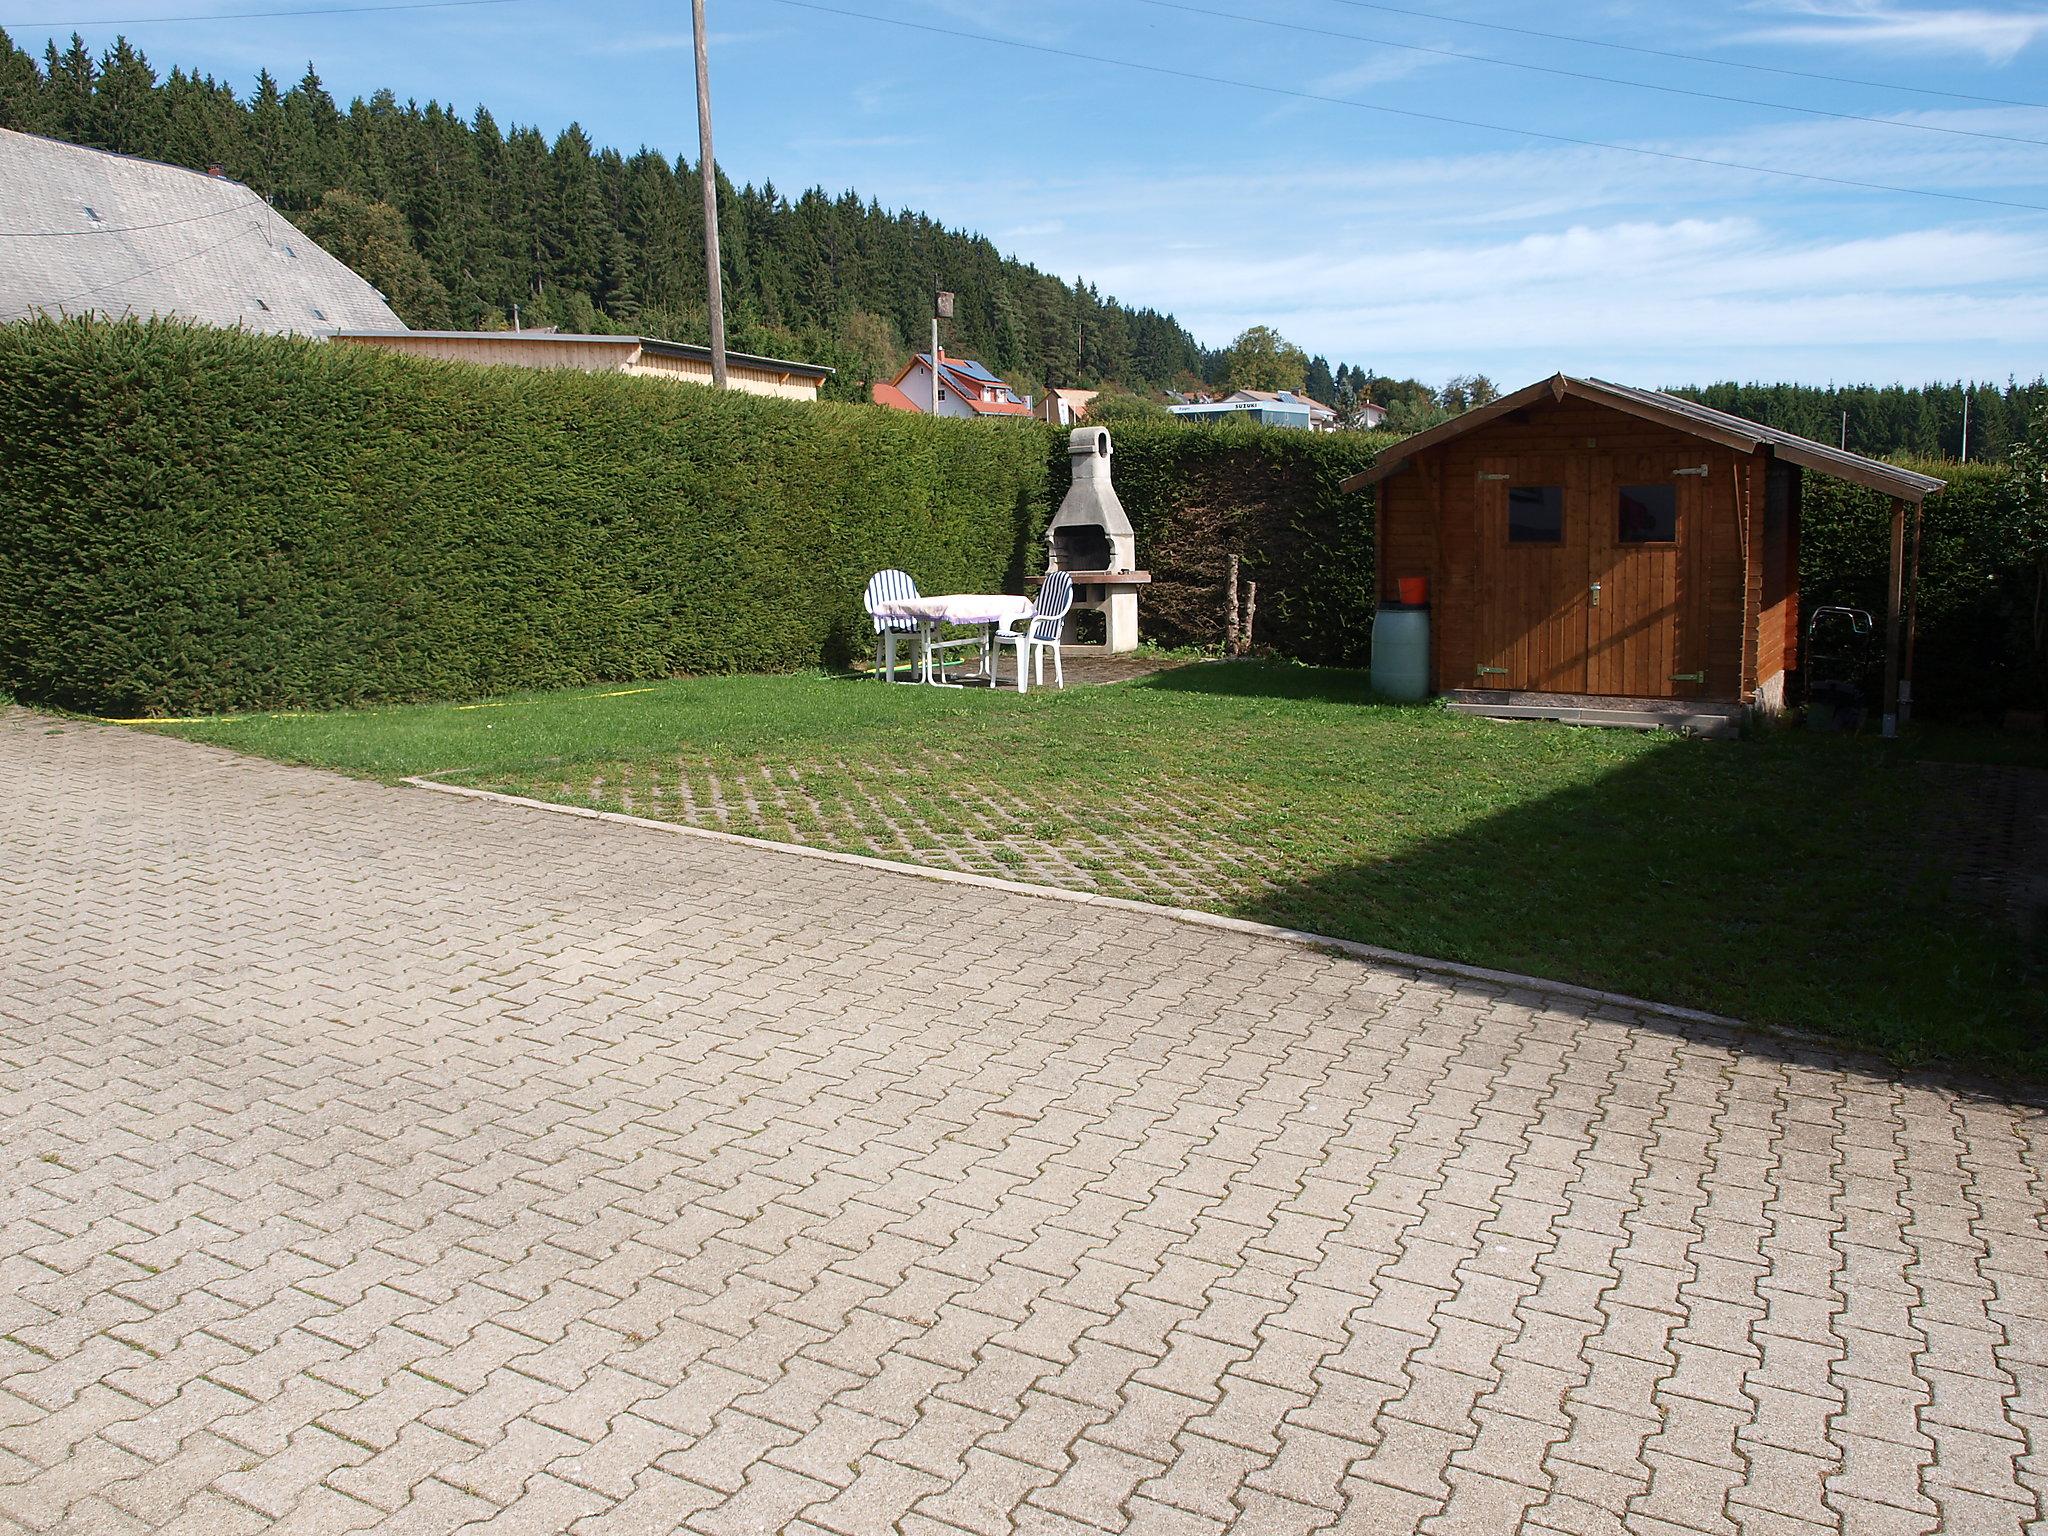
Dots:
(1649, 514)
(1535, 514)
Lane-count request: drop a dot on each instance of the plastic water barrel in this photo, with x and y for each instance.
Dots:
(1400, 653)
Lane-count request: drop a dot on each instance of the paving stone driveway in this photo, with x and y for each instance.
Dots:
(382, 1160)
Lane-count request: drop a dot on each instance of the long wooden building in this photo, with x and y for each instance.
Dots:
(1589, 541)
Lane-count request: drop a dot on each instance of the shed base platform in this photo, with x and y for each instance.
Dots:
(1699, 717)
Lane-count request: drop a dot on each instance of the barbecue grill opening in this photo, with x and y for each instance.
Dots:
(1081, 547)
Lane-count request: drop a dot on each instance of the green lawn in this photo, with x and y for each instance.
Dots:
(1781, 879)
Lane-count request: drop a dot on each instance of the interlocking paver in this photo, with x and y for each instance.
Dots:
(379, 1160)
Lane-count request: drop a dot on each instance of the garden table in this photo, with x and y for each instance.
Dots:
(985, 609)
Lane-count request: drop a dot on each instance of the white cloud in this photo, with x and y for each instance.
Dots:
(1382, 69)
(1517, 262)
(1995, 36)
(671, 42)
(1653, 302)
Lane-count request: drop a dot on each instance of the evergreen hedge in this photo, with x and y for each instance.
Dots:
(1981, 575)
(197, 520)
(194, 520)
(1198, 494)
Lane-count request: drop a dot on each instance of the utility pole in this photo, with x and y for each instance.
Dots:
(1845, 431)
(707, 169)
(1966, 426)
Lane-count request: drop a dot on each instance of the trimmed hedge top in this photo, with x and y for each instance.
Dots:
(198, 520)
(195, 520)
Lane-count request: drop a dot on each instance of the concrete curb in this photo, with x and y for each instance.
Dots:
(1348, 947)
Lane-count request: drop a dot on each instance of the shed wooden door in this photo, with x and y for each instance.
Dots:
(1646, 606)
(1530, 568)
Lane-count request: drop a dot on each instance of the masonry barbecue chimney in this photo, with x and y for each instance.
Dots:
(1091, 540)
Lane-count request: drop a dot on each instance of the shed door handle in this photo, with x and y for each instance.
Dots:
(1596, 594)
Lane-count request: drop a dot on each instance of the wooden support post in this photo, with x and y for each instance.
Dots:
(1912, 619)
(1230, 613)
(1251, 613)
(1894, 618)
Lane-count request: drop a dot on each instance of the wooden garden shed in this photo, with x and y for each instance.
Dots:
(1592, 549)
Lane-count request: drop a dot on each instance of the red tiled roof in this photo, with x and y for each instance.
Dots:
(894, 398)
(982, 407)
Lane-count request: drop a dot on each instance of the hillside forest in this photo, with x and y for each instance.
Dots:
(463, 223)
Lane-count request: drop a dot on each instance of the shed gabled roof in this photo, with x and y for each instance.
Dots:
(85, 231)
(1681, 415)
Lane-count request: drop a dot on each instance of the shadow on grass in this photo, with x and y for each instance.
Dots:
(1268, 680)
(1774, 884)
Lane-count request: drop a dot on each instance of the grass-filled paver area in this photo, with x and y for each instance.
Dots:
(1787, 879)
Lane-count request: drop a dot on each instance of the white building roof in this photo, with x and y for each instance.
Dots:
(84, 231)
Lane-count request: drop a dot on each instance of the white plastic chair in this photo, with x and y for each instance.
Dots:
(1041, 632)
(888, 587)
(892, 586)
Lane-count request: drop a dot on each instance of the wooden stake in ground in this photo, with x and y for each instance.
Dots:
(1230, 613)
(1251, 612)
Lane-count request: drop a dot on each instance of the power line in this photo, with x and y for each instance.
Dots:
(119, 229)
(320, 10)
(1576, 74)
(1076, 56)
(1690, 58)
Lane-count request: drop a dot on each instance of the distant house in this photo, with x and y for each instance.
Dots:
(647, 357)
(1280, 408)
(117, 236)
(1066, 407)
(965, 388)
(1277, 408)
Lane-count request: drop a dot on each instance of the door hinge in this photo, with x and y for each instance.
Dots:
(1689, 677)
(1701, 471)
(1491, 671)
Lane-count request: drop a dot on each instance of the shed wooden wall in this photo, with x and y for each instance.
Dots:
(1777, 570)
(1428, 526)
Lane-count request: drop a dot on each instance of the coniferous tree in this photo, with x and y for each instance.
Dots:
(575, 235)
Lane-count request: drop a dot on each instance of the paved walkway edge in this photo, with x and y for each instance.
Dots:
(1190, 915)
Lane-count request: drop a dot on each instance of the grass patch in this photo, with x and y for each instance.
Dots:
(1782, 879)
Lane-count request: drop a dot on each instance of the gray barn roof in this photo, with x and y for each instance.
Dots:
(84, 231)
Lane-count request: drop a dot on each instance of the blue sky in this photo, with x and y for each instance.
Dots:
(1408, 244)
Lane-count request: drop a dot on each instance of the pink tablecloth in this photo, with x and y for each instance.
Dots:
(958, 608)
